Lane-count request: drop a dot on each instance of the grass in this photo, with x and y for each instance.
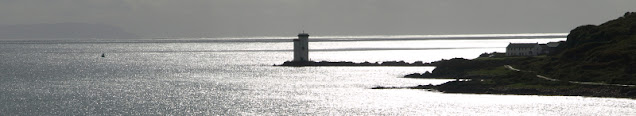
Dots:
(540, 86)
(490, 72)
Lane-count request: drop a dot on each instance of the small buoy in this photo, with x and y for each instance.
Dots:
(103, 55)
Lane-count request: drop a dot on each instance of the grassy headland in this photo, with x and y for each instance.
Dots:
(604, 55)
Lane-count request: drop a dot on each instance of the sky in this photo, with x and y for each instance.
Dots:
(242, 18)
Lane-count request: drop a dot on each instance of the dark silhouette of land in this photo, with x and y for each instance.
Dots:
(594, 61)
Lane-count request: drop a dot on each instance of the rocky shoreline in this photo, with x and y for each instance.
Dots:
(489, 76)
(468, 87)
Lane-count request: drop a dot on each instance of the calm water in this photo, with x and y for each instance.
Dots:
(235, 76)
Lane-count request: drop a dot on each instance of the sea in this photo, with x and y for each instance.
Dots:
(236, 76)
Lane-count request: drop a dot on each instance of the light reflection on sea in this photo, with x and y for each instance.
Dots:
(208, 78)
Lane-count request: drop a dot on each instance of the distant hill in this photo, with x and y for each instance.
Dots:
(63, 30)
(599, 53)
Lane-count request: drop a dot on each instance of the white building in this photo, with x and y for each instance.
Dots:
(524, 49)
(301, 48)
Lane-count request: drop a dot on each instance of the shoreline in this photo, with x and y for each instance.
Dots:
(348, 63)
(468, 87)
(497, 76)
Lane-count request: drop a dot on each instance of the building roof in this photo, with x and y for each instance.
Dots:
(522, 45)
(303, 34)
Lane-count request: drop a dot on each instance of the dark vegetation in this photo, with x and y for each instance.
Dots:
(604, 54)
(460, 67)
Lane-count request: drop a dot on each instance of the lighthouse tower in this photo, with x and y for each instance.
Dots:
(301, 48)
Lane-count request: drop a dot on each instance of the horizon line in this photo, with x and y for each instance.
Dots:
(382, 36)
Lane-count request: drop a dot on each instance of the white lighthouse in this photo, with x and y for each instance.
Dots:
(301, 48)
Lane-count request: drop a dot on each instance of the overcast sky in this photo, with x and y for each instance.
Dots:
(232, 18)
